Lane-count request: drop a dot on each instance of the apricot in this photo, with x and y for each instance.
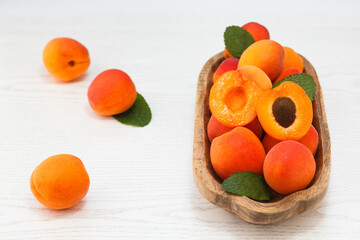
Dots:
(310, 140)
(289, 167)
(267, 55)
(285, 112)
(292, 60)
(253, 73)
(227, 54)
(111, 92)
(285, 73)
(66, 58)
(60, 181)
(237, 150)
(257, 31)
(226, 65)
(215, 128)
(233, 101)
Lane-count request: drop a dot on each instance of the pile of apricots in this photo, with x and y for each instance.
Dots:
(61, 181)
(255, 127)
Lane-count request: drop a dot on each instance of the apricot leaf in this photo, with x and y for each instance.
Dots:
(304, 80)
(237, 40)
(139, 115)
(247, 184)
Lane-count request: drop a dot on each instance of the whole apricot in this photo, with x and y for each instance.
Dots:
(235, 151)
(111, 92)
(288, 167)
(60, 181)
(66, 58)
(267, 55)
(257, 31)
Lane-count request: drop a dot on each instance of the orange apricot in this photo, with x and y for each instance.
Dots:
(237, 150)
(66, 58)
(310, 140)
(60, 181)
(227, 54)
(215, 128)
(285, 73)
(253, 73)
(292, 60)
(233, 101)
(111, 92)
(267, 55)
(257, 31)
(288, 167)
(285, 112)
(226, 65)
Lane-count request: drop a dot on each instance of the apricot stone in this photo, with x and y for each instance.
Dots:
(237, 150)
(111, 92)
(289, 167)
(66, 58)
(60, 181)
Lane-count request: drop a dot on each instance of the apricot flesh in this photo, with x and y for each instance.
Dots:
(111, 92)
(60, 181)
(65, 58)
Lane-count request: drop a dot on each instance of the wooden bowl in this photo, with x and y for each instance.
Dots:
(280, 207)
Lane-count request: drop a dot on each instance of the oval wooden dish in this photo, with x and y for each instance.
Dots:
(280, 207)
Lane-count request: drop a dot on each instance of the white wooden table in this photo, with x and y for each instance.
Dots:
(141, 178)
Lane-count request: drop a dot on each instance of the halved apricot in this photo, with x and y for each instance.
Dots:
(285, 112)
(233, 100)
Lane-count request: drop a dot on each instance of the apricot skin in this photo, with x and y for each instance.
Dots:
(237, 150)
(65, 58)
(253, 73)
(267, 55)
(60, 181)
(310, 140)
(111, 92)
(292, 60)
(215, 128)
(289, 167)
(257, 31)
(285, 73)
(227, 65)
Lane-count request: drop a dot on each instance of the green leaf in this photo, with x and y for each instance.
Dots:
(138, 115)
(247, 184)
(304, 80)
(237, 40)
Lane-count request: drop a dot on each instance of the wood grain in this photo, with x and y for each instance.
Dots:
(281, 207)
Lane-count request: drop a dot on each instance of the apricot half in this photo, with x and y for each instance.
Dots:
(285, 112)
(233, 101)
(60, 181)
(66, 58)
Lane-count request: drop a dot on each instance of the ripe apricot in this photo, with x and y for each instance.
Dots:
(257, 31)
(233, 101)
(60, 181)
(253, 73)
(226, 65)
(292, 60)
(227, 54)
(215, 128)
(237, 150)
(66, 58)
(285, 112)
(288, 167)
(267, 55)
(310, 140)
(111, 92)
(285, 73)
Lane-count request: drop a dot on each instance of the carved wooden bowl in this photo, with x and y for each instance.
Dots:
(280, 207)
